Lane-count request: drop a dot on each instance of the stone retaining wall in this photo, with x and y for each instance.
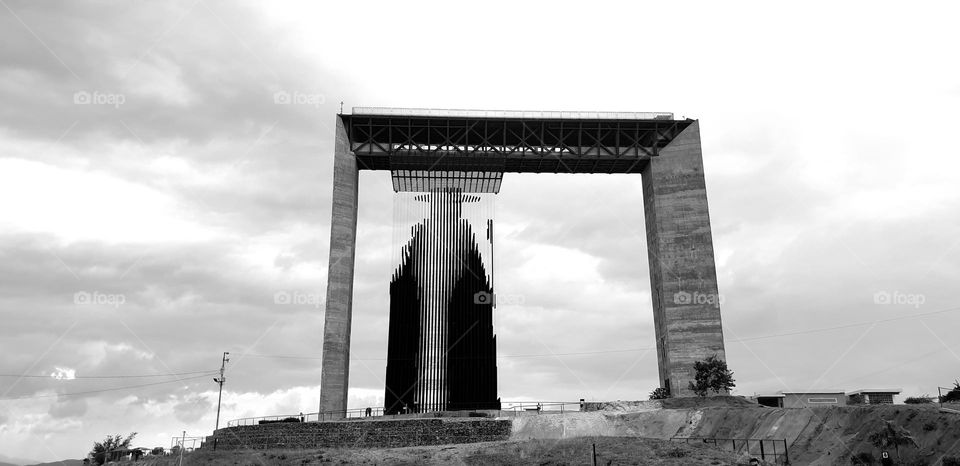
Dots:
(361, 434)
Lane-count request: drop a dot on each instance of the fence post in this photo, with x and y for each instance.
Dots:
(594, 454)
(762, 454)
(786, 454)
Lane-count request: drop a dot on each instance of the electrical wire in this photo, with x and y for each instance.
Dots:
(125, 376)
(104, 390)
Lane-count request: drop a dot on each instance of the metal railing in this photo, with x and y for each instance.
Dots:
(308, 417)
(549, 407)
(511, 408)
(774, 450)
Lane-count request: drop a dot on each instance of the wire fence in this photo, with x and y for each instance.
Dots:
(774, 450)
(187, 443)
(507, 408)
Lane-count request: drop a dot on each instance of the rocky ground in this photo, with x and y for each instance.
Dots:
(610, 451)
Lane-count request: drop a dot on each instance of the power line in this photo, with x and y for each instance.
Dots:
(838, 327)
(126, 376)
(105, 389)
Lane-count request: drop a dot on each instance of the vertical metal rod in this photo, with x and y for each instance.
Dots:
(594, 454)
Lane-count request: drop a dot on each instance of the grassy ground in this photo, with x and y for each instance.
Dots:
(610, 451)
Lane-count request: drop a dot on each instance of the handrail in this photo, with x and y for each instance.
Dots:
(306, 417)
(510, 406)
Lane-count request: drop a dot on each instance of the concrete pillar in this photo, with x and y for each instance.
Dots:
(683, 274)
(335, 369)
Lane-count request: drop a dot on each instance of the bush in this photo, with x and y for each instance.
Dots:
(157, 451)
(918, 400)
(864, 457)
(929, 426)
(660, 393)
(951, 461)
(855, 399)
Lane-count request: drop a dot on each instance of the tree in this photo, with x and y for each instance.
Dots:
(110, 444)
(892, 435)
(712, 376)
(157, 451)
(660, 393)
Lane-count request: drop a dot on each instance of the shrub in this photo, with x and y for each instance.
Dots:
(918, 400)
(929, 426)
(951, 461)
(855, 399)
(660, 393)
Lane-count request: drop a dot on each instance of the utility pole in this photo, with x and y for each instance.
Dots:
(221, 380)
(183, 444)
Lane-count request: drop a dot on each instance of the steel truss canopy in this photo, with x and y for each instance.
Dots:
(466, 182)
(507, 141)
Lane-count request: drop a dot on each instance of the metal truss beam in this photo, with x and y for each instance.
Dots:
(536, 145)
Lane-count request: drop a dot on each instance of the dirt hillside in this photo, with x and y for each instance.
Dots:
(818, 436)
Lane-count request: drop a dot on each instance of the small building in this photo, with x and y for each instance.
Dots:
(814, 398)
(773, 400)
(873, 396)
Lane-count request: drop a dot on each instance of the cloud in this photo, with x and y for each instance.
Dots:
(192, 409)
(159, 194)
(68, 408)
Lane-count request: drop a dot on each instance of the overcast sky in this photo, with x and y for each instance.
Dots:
(154, 198)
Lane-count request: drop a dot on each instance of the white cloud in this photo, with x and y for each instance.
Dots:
(80, 205)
